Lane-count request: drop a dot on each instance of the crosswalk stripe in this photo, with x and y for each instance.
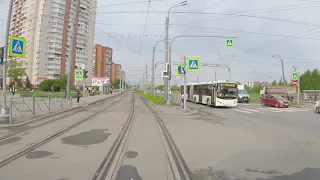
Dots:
(242, 111)
(251, 110)
(269, 109)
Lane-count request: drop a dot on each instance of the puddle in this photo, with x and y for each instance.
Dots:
(131, 154)
(10, 140)
(128, 172)
(305, 174)
(270, 172)
(63, 179)
(94, 136)
(38, 154)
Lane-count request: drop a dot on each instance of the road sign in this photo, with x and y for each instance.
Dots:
(294, 83)
(180, 71)
(294, 76)
(229, 42)
(193, 64)
(17, 47)
(78, 74)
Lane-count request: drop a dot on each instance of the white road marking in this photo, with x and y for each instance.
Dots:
(251, 110)
(242, 111)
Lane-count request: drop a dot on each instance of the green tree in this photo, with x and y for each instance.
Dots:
(116, 83)
(238, 82)
(175, 88)
(28, 83)
(274, 82)
(16, 71)
(47, 84)
(63, 79)
(160, 87)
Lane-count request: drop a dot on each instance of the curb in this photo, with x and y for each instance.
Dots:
(187, 113)
(56, 113)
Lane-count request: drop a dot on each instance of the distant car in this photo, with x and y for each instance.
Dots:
(275, 101)
(317, 106)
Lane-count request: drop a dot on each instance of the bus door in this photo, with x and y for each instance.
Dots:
(211, 90)
(191, 93)
(214, 94)
(201, 92)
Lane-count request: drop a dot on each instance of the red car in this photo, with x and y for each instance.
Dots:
(274, 100)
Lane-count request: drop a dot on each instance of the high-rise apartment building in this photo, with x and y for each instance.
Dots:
(102, 61)
(48, 26)
(115, 71)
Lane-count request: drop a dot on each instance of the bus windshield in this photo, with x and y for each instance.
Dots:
(226, 91)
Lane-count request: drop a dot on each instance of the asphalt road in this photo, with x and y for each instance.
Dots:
(249, 142)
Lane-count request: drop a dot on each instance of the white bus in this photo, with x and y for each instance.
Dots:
(212, 93)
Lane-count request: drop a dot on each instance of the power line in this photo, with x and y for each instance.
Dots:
(203, 9)
(129, 24)
(239, 12)
(144, 28)
(226, 14)
(241, 31)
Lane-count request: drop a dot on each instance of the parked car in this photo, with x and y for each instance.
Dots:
(317, 106)
(274, 100)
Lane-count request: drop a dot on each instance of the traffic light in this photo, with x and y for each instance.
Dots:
(1, 54)
(85, 74)
(300, 79)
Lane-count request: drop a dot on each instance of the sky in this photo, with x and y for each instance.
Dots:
(262, 29)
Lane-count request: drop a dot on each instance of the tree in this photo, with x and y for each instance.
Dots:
(28, 83)
(160, 87)
(239, 83)
(16, 71)
(175, 88)
(63, 79)
(47, 84)
(274, 82)
(116, 83)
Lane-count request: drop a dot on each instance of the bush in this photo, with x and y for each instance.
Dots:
(47, 84)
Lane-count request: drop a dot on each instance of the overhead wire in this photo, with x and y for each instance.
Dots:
(240, 12)
(145, 25)
(202, 10)
(226, 14)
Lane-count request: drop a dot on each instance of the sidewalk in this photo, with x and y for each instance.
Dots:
(43, 112)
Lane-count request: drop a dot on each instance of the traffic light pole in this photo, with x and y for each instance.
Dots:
(4, 111)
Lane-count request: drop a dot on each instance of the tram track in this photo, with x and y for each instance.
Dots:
(109, 168)
(17, 154)
(54, 118)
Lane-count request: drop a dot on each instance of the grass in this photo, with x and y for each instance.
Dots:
(255, 97)
(154, 99)
(39, 93)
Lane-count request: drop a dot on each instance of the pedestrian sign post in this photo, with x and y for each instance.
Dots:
(78, 74)
(229, 42)
(193, 64)
(294, 76)
(180, 71)
(17, 47)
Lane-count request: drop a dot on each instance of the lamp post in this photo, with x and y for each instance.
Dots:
(170, 47)
(153, 67)
(282, 68)
(166, 80)
(219, 65)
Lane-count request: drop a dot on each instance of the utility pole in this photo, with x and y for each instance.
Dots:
(120, 84)
(5, 60)
(153, 83)
(146, 79)
(72, 44)
(143, 83)
(166, 86)
(185, 84)
(283, 78)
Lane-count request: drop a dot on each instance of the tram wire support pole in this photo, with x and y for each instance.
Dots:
(185, 84)
(4, 65)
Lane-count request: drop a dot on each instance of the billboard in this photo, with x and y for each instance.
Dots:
(100, 81)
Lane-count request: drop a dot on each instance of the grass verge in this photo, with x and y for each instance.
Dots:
(154, 99)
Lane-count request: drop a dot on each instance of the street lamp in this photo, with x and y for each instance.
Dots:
(153, 66)
(219, 65)
(282, 68)
(166, 80)
(168, 100)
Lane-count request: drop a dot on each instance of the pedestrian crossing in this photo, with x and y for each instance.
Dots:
(269, 110)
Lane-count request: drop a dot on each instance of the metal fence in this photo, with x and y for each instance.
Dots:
(33, 106)
(174, 98)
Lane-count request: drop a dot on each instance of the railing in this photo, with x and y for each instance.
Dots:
(34, 106)
(174, 98)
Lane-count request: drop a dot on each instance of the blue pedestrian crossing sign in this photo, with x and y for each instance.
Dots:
(229, 42)
(294, 76)
(180, 71)
(17, 47)
(193, 64)
(78, 74)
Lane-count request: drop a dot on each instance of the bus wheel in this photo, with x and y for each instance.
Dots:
(208, 102)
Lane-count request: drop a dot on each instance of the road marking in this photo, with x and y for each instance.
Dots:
(242, 111)
(251, 110)
(269, 109)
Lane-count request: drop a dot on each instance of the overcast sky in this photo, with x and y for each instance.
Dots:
(289, 28)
